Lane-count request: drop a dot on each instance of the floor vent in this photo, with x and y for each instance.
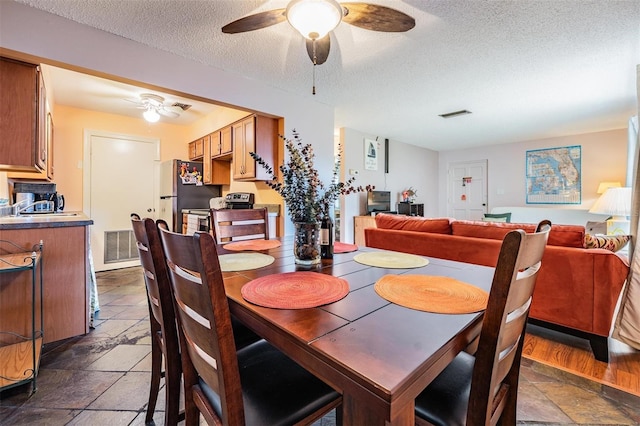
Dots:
(119, 246)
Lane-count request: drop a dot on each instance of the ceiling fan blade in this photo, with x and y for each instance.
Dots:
(168, 113)
(322, 49)
(377, 18)
(255, 22)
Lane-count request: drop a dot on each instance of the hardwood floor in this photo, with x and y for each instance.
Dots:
(574, 355)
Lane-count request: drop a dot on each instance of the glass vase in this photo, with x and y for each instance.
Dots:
(306, 243)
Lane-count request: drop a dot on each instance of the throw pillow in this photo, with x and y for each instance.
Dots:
(506, 216)
(609, 242)
(494, 219)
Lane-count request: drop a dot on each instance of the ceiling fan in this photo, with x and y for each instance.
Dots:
(315, 19)
(154, 107)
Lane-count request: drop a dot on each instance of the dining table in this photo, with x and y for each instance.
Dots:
(378, 354)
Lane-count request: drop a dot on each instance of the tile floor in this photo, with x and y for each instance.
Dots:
(102, 378)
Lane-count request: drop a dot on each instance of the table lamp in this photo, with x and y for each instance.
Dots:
(615, 202)
(603, 186)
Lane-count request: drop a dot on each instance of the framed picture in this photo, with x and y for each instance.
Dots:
(370, 154)
(554, 175)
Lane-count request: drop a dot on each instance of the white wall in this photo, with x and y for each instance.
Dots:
(55, 40)
(409, 165)
(604, 158)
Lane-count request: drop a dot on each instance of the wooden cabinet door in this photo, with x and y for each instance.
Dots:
(238, 151)
(19, 83)
(226, 145)
(249, 142)
(215, 144)
(254, 134)
(207, 175)
(49, 131)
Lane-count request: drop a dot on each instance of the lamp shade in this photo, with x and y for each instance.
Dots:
(614, 202)
(606, 185)
(314, 18)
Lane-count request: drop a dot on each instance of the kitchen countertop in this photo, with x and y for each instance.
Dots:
(59, 220)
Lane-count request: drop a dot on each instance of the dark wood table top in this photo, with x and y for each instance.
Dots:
(379, 355)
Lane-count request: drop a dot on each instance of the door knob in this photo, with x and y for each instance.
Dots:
(149, 210)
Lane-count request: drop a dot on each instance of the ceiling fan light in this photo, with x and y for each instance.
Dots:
(314, 18)
(151, 115)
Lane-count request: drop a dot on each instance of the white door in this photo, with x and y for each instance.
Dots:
(120, 178)
(467, 190)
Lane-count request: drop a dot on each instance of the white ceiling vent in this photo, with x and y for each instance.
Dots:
(455, 113)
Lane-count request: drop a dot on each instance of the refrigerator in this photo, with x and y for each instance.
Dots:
(181, 188)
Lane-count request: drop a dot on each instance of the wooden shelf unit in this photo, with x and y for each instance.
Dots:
(20, 349)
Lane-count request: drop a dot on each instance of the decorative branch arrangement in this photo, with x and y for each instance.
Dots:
(306, 196)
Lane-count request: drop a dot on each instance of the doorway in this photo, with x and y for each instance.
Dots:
(120, 178)
(467, 190)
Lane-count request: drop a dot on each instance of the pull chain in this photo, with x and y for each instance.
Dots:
(315, 60)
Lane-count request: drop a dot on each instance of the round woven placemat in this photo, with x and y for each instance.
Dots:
(442, 295)
(339, 247)
(244, 261)
(295, 290)
(252, 245)
(390, 259)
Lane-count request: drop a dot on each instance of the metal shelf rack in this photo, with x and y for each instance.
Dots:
(20, 353)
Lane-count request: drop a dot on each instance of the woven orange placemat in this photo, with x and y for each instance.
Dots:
(244, 261)
(340, 247)
(295, 290)
(390, 259)
(443, 295)
(252, 245)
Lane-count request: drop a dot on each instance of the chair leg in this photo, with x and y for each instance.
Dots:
(172, 377)
(156, 374)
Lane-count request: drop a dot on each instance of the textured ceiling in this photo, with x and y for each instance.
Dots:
(526, 69)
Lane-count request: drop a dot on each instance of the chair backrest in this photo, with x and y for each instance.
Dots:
(239, 224)
(495, 374)
(156, 277)
(206, 336)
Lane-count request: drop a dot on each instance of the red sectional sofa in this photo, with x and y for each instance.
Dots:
(577, 288)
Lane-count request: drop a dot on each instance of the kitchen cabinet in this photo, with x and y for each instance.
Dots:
(196, 149)
(49, 141)
(23, 146)
(206, 159)
(221, 144)
(258, 134)
(215, 169)
(65, 279)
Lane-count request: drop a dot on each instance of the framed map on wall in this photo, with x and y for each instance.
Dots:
(554, 176)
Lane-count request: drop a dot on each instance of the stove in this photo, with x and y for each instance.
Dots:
(240, 200)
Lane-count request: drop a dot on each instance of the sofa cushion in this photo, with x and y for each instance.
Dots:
(413, 223)
(560, 235)
(491, 230)
(610, 242)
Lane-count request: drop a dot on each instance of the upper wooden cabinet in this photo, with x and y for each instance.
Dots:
(196, 149)
(257, 134)
(221, 144)
(23, 133)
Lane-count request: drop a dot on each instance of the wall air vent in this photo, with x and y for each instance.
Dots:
(183, 107)
(455, 113)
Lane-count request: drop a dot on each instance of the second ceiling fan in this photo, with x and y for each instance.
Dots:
(315, 19)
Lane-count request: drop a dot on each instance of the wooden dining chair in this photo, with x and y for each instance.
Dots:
(164, 332)
(482, 389)
(239, 224)
(256, 385)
